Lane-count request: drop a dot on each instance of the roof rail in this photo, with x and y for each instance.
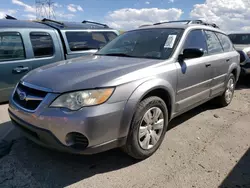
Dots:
(8, 17)
(144, 25)
(104, 25)
(54, 21)
(191, 22)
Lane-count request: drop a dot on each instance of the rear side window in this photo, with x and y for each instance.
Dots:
(42, 44)
(11, 46)
(79, 41)
(225, 42)
(213, 43)
(196, 39)
(240, 38)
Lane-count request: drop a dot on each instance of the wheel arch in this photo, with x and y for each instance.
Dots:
(146, 89)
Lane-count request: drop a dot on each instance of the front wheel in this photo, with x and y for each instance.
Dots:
(148, 128)
(226, 98)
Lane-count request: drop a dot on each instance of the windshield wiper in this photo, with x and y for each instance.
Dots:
(116, 54)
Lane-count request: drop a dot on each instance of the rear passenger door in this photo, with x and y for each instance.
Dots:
(13, 62)
(219, 62)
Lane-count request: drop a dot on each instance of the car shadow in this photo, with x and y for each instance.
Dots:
(210, 105)
(240, 174)
(243, 83)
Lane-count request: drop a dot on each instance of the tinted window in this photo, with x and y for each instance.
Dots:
(240, 38)
(225, 42)
(42, 44)
(11, 46)
(213, 43)
(146, 43)
(88, 40)
(196, 39)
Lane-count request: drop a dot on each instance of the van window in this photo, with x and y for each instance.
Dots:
(11, 46)
(213, 43)
(225, 42)
(80, 40)
(42, 44)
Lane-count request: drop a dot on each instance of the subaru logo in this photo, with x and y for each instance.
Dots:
(22, 95)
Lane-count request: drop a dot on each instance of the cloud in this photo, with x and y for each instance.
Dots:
(129, 18)
(230, 15)
(74, 8)
(171, 1)
(30, 16)
(10, 12)
(57, 5)
(147, 2)
(27, 8)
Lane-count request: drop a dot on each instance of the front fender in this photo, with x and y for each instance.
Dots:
(138, 94)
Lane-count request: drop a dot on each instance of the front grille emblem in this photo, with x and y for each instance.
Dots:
(22, 95)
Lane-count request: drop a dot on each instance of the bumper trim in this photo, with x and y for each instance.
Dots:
(47, 139)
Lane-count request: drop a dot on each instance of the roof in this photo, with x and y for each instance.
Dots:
(6, 23)
(50, 24)
(65, 25)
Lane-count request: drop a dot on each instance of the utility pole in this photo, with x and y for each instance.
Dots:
(45, 9)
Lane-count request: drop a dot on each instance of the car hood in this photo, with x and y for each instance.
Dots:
(88, 72)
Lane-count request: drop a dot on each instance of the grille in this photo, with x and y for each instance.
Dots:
(28, 104)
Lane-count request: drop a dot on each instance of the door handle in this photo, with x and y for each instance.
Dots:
(227, 60)
(208, 64)
(20, 69)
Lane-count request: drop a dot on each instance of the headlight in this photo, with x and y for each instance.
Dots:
(79, 99)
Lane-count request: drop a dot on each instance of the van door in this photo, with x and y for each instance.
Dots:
(13, 62)
(45, 48)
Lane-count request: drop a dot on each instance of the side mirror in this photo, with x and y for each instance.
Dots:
(189, 53)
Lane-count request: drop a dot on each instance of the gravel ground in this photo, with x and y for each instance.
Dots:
(204, 148)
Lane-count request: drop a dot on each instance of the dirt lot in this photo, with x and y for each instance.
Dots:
(204, 148)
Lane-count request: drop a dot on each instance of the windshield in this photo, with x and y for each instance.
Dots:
(80, 40)
(145, 43)
(240, 38)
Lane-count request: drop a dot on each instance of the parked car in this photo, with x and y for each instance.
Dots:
(26, 45)
(126, 94)
(241, 43)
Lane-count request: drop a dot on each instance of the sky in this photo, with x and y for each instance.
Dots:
(230, 15)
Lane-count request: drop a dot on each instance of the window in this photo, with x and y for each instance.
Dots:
(146, 43)
(11, 46)
(240, 38)
(225, 42)
(88, 40)
(196, 39)
(213, 43)
(42, 44)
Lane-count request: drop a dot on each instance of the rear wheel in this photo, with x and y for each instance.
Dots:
(147, 129)
(226, 98)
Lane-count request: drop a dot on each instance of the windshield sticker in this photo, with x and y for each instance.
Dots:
(170, 41)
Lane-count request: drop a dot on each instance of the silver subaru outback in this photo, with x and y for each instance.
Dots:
(126, 94)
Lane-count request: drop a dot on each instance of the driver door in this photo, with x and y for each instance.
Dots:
(194, 75)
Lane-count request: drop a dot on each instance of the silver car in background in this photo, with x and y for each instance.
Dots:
(241, 43)
(126, 94)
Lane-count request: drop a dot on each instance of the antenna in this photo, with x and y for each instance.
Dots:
(45, 9)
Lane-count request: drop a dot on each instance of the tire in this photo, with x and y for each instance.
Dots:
(222, 100)
(134, 145)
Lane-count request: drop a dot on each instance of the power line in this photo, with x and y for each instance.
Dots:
(45, 9)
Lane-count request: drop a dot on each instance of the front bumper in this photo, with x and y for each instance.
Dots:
(50, 127)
